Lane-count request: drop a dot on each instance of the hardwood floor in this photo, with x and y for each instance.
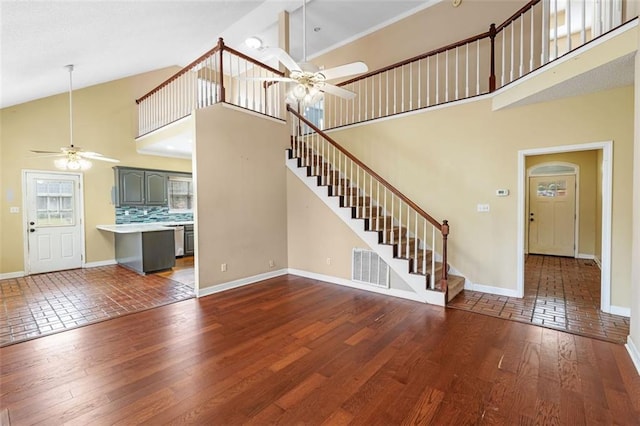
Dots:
(292, 350)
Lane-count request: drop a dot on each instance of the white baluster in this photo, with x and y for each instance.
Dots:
(446, 76)
(433, 257)
(419, 80)
(477, 67)
(513, 52)
(466, 77)
(402, 88)
(568, 20)
(410, 86)
(424, 246)
(521, 45)
(531, 36)
(504, 71)
(415, 247)
(456, 82)
(428, 82)
(384, 218)
(437, 78)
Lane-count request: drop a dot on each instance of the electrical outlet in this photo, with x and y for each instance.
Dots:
(144, 212)
(271, 264)
(483, 208)
(328, 261)
(126, 212)
(14, 209)
(223, 267)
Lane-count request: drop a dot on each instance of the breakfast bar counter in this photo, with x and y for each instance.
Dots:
(144, 247)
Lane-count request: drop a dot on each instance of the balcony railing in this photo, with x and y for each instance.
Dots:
(536, 34)
(220, 75)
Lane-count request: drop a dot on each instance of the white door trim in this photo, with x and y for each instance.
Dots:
(607, 181)
(25, 219)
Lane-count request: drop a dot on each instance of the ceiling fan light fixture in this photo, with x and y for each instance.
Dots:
(72, 162)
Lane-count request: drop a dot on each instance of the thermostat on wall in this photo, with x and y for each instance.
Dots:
(502, 192)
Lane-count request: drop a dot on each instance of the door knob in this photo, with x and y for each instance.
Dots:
(531, 220)
(32, 223)
(32, 230)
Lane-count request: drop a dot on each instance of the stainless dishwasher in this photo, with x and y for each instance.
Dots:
(179, 238)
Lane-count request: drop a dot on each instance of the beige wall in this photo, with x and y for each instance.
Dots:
(241, 190)
(450, 159)
(316, 234)
(105, 121)
(428, 29)
(587, 209)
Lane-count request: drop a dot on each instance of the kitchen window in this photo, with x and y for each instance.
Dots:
(180, 194)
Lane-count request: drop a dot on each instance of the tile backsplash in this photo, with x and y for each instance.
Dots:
(153, 214)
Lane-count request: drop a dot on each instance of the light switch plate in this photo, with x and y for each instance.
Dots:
(14, 209)
(483, 208)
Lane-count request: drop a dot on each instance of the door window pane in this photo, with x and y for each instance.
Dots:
(556, 188)
(54, 203)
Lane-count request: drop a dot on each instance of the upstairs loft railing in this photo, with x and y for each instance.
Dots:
(416, 235)
(538, 33)
(221, 75)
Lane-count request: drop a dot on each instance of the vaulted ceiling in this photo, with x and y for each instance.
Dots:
(107, 40)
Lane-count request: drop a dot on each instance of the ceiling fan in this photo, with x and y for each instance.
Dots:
(73, 157)
(310, 81)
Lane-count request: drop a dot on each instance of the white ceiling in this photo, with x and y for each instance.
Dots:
(107, 39)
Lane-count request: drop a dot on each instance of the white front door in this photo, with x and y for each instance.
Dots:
(552, 215)
(53, 221)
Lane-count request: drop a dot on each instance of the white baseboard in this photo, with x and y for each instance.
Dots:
(634, 353)
(619, 310)
(586, 256)
(509, 292)
(100, 263)
(217, 288)
(403, 294)
(598, 262)
(9, 275)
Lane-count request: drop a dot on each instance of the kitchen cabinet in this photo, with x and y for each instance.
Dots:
(189, 240)
(155, 188)
(139, 187)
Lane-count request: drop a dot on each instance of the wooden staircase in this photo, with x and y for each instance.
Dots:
(412, 262)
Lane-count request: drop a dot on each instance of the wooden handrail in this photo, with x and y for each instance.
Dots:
(220, 47)
(393, 189)
(494, 30)
(416, 58)
(179, 73)
(516, 15)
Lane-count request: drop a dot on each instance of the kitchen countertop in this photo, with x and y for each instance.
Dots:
(131, 228)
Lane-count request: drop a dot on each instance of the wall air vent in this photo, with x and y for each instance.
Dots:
(368, 268)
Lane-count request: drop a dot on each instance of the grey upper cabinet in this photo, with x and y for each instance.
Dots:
(138, 187)
(130, 187)
(155, 188)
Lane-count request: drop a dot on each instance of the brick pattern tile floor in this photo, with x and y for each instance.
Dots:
(560, 293)
(48, 303)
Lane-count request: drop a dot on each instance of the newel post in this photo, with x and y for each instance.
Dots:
(492, 77)
(444, 229)
(221, 87)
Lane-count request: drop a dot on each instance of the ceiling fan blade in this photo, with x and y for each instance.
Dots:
(267, 78)
(96, 156)
(284, 58)
(338, 91)
(36, 151)
(41, 155)
(344, 70)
